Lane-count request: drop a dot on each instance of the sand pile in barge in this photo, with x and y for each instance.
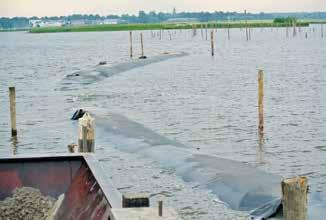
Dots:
(26, 203)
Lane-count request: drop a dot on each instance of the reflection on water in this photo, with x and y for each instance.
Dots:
(260, 148)
(14, 143)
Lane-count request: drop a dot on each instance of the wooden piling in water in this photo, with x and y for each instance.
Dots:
(130, 42)
(206, 34)
(142, 44)
(12, 99)
(212, 42)
(160, 208)
(322, 30)
(247, 36)
(294, 198)
(294, 29)
(86, 142)
(261, 101)
(229, 37)
(287, 32)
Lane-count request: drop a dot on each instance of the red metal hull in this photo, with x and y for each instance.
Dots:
(88, 194)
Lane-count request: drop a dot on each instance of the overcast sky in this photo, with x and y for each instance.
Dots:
(10, 8)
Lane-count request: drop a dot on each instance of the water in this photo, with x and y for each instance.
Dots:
(209, 104)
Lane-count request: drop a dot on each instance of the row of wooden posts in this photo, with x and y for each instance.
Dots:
(248, 37)
(294, 190)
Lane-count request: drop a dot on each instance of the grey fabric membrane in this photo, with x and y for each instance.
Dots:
(101, 72)
(239, 185)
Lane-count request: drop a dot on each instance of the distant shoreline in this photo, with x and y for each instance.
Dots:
(164, 26)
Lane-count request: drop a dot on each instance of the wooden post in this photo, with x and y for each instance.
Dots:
(86, 142)
(12, 98)
(287, 32)
(294, 29)
(160, 208)
(322, 30)
(142, 44)
(212, 42)
(130, 40)
(206, 34)
(247, 37)
(294, 198)
(201, 31)
(261, 101)
(229, 32)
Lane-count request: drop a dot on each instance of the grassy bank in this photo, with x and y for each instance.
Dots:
(158, 26)
(13, 30)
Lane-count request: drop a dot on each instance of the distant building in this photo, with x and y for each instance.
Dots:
(41, 23)
(181, 20)
(111, 21)
(77, 22)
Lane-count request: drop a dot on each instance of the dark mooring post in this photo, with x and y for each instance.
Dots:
(130, 42)
(261, 102)
(12, 98)
(294, 198)
(160, 208)
(212, 42)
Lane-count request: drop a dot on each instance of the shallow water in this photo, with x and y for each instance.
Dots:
(208, 104)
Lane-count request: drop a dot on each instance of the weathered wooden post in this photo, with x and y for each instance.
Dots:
(261, 101)
(322, 30)
(86, 142)
(294, 29)
(130, 41)
(287, 32)
(247, 36)
(206, 34)
(160, 208)
(142, 44)
(12, 98)
(294, 198)
(212, 42)
(229, 37)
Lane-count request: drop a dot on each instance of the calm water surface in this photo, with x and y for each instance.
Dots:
(204, 102)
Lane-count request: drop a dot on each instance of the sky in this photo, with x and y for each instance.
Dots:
(11, 8)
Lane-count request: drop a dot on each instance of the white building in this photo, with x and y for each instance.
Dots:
(40, 23)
